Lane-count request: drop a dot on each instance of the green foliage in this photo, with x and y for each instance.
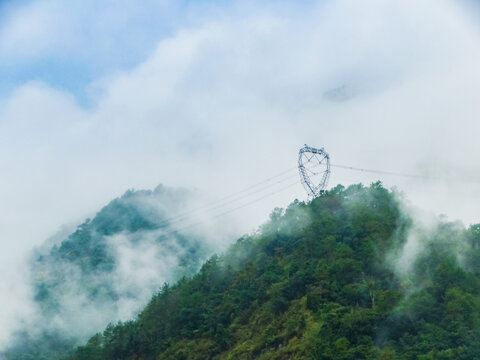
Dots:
(84, 265)
(315, 283)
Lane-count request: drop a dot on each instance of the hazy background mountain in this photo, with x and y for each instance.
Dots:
(110, 266)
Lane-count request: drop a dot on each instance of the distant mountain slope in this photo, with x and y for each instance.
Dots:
(348, 276)
(107, 269)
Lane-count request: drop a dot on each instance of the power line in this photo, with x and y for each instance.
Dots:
(236, 208)
(236, 196)
(262, 186)
(255, 189)
(232, 198)
(381, 172)
(413, 176)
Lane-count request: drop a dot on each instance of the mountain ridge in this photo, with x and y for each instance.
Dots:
(350, 275)
(84, 280)
(321, 280)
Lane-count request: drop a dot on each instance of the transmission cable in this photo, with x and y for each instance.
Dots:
(381, 172)
(234, 197)
(260, 187)
(236, 208)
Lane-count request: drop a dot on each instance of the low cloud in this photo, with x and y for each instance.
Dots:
(15, 300)
(110, 267)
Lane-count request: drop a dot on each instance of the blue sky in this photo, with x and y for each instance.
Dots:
(70, 45)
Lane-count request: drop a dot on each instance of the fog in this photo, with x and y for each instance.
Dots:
(107, 269)
(222, 96)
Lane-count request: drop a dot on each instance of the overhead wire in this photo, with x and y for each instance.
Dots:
(236, 208)
(236, 196)
(408, 175)
(232, 198)
(260, 187)
(222, 202)
(380, 171)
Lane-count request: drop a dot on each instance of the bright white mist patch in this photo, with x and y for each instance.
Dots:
(15, 299)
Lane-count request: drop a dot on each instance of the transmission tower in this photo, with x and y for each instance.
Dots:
(314, 169)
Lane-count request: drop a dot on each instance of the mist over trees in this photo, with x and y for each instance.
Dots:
(106, 270)
(354, 274)
(348, 276)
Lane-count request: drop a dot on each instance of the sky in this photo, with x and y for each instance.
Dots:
(100, 97)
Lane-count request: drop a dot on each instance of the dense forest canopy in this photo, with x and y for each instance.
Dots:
(348, 276)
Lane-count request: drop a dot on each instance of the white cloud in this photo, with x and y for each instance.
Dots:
(15, 300)
(28, 31)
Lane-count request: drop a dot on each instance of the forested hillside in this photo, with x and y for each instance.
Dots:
(347, 276)
(106, 270)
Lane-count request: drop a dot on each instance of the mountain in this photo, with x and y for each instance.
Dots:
(350, 275)
(107, 269)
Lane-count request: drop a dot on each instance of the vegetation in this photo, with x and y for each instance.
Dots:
(76, 282)
(325, 280)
